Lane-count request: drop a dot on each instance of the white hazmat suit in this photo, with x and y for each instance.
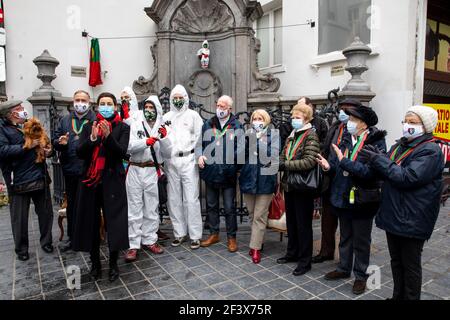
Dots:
(181, 168)
(142, 183)
(134, 112)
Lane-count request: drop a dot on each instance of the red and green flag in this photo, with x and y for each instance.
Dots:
(95, 72)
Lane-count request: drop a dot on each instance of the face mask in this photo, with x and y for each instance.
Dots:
(343, 117)
(81, 108)
(297, 124)
(178, 103)
(412, 130)
(258, 126)
(22, 115)
(150, 115)
(106, 111)
(222, 114)
(352, 127)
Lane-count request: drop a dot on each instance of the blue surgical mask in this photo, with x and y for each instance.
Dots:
(412, 131)
(352, 127)
(106, 111)
(297, 124)
(343, 117)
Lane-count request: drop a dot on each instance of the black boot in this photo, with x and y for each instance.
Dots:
(96, 267)
(113, 268)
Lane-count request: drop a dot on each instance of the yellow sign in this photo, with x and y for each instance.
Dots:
(442, 130)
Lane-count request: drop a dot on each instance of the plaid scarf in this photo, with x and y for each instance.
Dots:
(98, 160)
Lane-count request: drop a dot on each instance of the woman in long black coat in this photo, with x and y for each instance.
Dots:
(103, 146)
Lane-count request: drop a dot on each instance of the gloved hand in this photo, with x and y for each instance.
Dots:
(151, 141)
(368, 153)
(162, 132)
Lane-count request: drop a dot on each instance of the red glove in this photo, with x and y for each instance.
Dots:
(162, 132)
(151, 141)
(126, 110)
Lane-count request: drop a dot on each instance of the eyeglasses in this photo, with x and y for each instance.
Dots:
(413, 123)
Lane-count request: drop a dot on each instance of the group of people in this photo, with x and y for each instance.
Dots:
(121, 161)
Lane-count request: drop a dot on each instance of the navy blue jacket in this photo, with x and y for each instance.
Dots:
(70, 162)
(14, 160)
(220, 173)
(412, 190)
(348, 174)
(251, 180)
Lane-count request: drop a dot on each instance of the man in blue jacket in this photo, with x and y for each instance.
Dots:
(219, 170)
(410, 200)
(65, 141)
(25, 179)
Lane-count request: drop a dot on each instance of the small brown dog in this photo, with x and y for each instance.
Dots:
(33, 130)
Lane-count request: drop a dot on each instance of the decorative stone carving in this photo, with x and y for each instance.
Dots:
(146, 87)
(261, 83)
(46, 65)
(205, 87)
(203, 16)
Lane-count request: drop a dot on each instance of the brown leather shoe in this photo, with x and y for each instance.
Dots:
(212, 239)
(162, 236)
(232, 245)
(131, 255)
(336, 275)
(359, 287)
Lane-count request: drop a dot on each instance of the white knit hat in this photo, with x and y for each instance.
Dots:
(428, 115)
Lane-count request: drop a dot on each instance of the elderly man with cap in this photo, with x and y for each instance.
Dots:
(410, 201)
(329, 221)
(355, 194)
(25, 179)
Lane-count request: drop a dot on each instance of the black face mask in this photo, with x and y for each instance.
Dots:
(150, 115)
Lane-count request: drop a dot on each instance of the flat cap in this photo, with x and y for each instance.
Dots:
(7, 105)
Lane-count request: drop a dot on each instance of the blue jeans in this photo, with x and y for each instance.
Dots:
(212, 207)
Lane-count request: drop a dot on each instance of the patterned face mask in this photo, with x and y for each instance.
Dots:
(150, 115)
(178, 103)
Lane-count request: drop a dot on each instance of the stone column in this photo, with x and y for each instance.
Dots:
(357, 54)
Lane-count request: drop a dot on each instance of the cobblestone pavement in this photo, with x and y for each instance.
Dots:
(207, 273)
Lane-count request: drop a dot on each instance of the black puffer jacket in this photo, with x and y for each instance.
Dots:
(412, 190)
(18, 165)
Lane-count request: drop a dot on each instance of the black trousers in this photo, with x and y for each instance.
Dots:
(96, 240)
(406, 265)
(71, 183)
(329, 224)
(19, 210)
(299, 214)
(213, 205)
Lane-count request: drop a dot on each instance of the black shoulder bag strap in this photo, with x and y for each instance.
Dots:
(155, 160)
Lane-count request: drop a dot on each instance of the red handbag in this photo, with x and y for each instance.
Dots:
(277, 207)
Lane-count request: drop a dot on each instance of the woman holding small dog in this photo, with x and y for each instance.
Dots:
(103, 146)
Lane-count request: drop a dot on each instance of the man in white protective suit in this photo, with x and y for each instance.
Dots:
(148, 146)
(130, 107)
(182, 171)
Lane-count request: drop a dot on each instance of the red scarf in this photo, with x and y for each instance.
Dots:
(98, 160)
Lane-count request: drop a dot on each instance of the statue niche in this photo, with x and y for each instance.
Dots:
(144, 87)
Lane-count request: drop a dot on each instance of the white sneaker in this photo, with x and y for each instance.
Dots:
(178, 241)
(195, 244)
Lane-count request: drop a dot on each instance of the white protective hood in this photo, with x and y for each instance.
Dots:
(179, 89)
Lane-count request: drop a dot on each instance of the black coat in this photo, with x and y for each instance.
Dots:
(412, 190)
(70, 163)
(360, 175)
(14, 160)
(115, 208)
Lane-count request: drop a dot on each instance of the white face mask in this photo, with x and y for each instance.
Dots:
(22, 115)
(412, 130)
(352, 127)
(81, 108)
(222, 114)
(258, 126)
